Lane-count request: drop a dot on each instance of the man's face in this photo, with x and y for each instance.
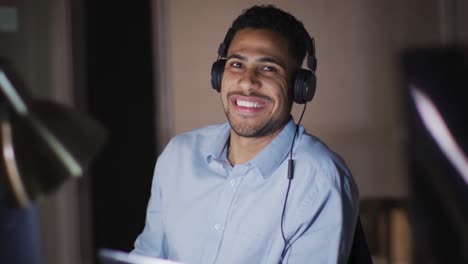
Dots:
(255, 85)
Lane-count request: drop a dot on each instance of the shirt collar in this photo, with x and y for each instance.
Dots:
(215, 146)
(269, 159)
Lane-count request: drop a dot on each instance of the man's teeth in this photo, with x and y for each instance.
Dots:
(248, 104)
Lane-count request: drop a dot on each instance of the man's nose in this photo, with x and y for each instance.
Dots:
(250, 80)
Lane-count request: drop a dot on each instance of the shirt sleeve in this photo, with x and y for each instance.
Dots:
(151, 242)
(326, 228)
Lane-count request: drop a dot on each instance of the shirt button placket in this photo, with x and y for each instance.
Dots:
(221, 213)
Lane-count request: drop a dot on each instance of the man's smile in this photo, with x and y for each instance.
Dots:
(249, 104)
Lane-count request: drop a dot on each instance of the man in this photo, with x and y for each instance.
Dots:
(223, 193)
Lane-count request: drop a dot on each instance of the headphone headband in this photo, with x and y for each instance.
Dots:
(310, 47)
(308, 41)
(223, 46)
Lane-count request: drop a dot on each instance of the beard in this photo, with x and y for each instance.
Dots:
(257, 130)
(244, 127)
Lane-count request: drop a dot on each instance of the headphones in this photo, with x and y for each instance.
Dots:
(304, 82)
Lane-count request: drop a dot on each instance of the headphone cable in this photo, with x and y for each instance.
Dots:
(290, 177)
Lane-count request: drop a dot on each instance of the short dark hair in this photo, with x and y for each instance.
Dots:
(275, 19)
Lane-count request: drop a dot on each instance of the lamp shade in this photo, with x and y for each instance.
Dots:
(42, 143)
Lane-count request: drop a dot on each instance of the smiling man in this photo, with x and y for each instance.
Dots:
(258, 188)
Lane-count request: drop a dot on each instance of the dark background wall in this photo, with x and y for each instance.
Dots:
(120, 96)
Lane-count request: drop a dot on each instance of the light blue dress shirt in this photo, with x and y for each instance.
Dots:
(203, 210)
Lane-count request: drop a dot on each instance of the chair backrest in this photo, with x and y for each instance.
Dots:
(359, 251)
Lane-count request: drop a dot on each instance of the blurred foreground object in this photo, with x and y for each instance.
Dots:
(111, 256)
(435, 89)
(42, 143)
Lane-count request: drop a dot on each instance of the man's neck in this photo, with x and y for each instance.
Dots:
(242, 149)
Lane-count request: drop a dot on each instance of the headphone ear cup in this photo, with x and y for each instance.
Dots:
(217, 70)
(304, 86)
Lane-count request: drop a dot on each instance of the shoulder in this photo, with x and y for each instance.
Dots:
(198, 137)
(198, 143)
(325, 177)
(326, 169)
(191, 148)
(318, 153)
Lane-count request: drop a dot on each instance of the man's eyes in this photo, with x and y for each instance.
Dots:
(269, 68)
(236, 64)
(265, 68)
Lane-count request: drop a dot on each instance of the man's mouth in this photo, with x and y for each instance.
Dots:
(249, 104)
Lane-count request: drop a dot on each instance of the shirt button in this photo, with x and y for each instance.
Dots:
(217, 227)
(232, 182)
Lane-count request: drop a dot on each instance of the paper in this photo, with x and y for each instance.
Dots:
(111, 256)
